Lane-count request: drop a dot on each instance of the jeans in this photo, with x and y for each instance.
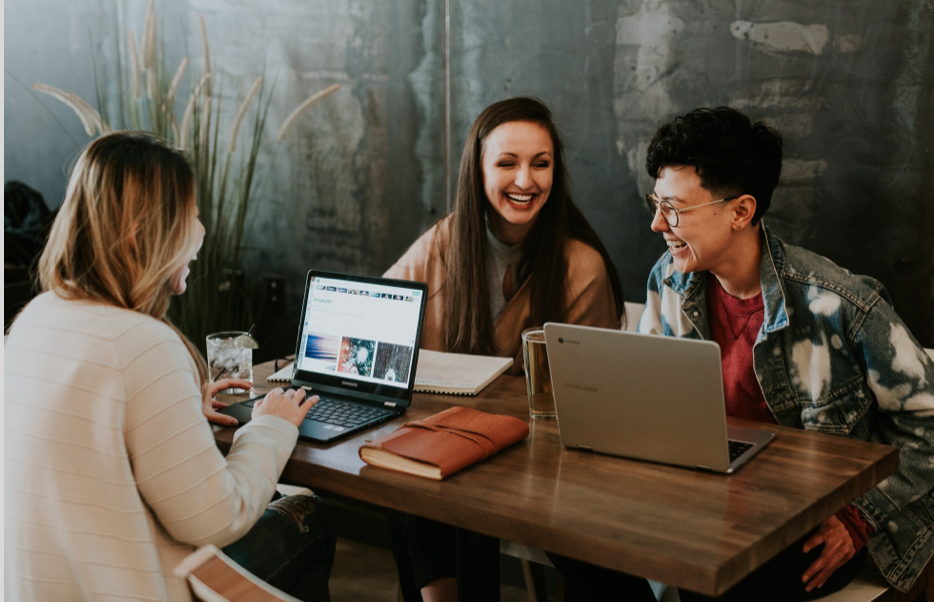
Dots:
(290, 547)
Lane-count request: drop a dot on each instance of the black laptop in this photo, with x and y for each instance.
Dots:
(357, 350)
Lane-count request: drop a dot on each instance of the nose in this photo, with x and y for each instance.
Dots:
(524, 177)
(659, 223)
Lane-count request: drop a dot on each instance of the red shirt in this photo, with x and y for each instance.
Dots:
(734, 325)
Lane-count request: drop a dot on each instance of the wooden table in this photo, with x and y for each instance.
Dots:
(696, 530)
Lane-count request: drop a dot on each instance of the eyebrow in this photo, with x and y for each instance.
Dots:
(508, 154)
(667, 198)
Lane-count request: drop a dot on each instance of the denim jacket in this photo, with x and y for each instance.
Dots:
(833, 356)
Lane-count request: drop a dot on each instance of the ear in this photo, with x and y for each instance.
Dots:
(744, 208)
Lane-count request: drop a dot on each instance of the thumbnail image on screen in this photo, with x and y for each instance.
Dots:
(356, 356)
(393, 362)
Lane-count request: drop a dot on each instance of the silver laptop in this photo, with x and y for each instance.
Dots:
(647, 397)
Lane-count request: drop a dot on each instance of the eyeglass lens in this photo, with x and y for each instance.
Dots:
(652, 205)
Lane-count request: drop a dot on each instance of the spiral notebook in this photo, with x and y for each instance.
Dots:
(437, 372)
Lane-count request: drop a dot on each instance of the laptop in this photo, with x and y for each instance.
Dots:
(647, 397)
(357, 349)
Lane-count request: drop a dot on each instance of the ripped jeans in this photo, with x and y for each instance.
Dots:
(290, 547)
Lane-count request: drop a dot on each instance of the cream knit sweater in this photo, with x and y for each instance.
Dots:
(111, 471)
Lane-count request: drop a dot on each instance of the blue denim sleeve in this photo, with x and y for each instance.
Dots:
(901, 376)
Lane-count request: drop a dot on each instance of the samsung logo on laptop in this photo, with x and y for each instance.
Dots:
(588, 388)
(348, 384)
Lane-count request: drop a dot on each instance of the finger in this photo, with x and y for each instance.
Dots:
(221, 419)
(813, 542)
(299, 396)
(308, 403)
(227, 383)
(816, 567)
(217, 405)
(820, 578)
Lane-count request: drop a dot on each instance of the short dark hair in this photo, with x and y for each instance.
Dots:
(732, 154)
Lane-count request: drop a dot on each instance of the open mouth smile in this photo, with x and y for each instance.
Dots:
(522, 200)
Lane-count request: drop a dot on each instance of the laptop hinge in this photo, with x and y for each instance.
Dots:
(389, 404)
(585, 447)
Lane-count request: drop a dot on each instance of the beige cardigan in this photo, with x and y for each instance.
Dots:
(589, 293)
(112, 475)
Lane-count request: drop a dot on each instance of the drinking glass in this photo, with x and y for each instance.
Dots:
(537, 375)
(230, 357)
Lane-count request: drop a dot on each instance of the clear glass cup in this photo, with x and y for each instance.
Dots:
(229, 358)
(537, 375)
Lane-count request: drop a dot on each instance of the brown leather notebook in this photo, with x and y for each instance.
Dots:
(440, 445)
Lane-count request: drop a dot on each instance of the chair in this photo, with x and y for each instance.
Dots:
(633, 312)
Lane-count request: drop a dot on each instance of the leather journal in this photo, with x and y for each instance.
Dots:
(445, 443)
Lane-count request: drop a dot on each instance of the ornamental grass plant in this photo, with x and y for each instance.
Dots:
(218, 296)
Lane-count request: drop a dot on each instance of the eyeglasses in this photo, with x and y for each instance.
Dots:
(655, 204)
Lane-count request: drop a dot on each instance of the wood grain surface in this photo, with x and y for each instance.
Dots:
(691, 529)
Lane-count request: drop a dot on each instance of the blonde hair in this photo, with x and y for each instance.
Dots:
(125, 228)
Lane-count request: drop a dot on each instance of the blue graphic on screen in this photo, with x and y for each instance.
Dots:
(323, 348)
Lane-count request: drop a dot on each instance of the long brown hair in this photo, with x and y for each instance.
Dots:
(468, 321)
(125, 227)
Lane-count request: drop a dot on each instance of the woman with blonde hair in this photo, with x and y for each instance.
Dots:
(112, 474)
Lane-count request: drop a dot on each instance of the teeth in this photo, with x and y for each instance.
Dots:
(676, 244)
(519, 198)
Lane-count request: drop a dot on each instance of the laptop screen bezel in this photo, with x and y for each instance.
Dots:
(325, 383)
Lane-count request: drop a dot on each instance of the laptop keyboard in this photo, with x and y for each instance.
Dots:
(341, 413)
(345, 413)
(738, 448)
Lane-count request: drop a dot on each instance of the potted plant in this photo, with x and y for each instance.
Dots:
(217, 297)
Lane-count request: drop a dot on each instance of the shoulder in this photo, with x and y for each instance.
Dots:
(821, 280)
(584, 262)
(424, 252)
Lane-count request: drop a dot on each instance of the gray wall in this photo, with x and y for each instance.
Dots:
(850, 85)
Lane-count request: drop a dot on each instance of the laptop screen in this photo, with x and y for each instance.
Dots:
(361, 334)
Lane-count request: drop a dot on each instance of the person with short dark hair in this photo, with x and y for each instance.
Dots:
(804, 343)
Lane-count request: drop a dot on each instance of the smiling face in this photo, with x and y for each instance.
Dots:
(702, 240)
(518, 170)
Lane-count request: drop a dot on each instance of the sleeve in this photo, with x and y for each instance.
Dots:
(591, 301)
(197, 495)
(855, 525)
(900, 375)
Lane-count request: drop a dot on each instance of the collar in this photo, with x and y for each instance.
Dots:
(772, 265)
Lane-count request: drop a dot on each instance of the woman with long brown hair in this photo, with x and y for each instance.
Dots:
(112, 473)
(516, 252)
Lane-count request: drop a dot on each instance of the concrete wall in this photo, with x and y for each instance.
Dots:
(848, 83)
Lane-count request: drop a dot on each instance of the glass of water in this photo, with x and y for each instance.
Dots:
(230, 355)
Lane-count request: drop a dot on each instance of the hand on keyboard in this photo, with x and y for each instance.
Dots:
(291, 405)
